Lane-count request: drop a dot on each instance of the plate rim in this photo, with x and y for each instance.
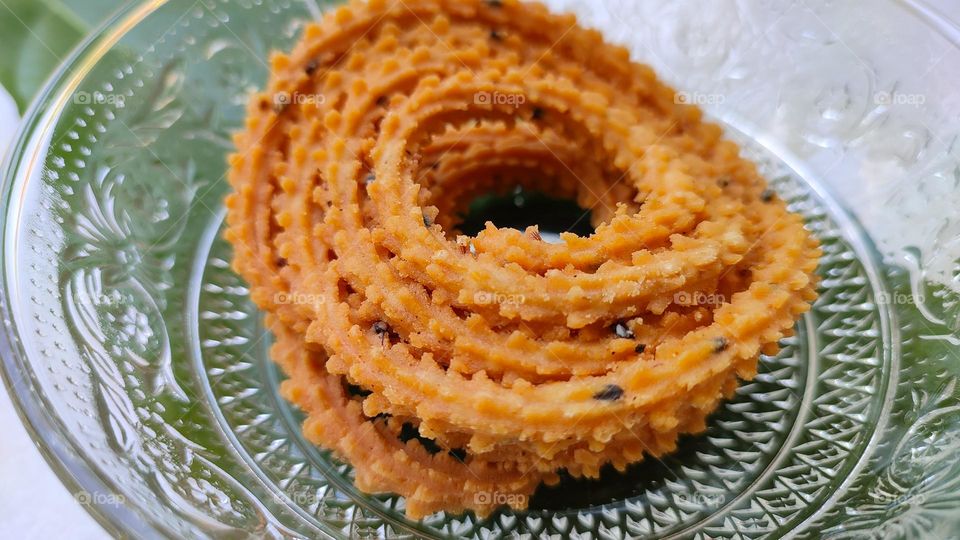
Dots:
(58, 449)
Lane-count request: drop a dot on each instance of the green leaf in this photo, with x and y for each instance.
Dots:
(91, 12)
(38, 35)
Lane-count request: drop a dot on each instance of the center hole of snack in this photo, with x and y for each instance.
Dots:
(521, 208)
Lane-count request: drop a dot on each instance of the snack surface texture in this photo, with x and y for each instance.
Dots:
(461, 372)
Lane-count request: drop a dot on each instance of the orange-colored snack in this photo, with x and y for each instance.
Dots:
(515, 357)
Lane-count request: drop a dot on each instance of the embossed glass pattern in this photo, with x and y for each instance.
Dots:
(141, 366)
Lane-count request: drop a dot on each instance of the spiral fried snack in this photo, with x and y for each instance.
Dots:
(461, 371)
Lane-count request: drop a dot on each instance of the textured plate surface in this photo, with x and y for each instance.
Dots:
(137, 358)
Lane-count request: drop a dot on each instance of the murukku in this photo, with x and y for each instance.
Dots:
(446, 367)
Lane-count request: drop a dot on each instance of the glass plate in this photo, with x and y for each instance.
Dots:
(140, 365)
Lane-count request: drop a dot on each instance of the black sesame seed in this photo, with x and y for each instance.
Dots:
(622, 331)
(371, 178)
(610, 392)
(538, 113)
(311, 67)
(723, 182)
(496, 36)
(720, 344)
(381, 329)
(427, 221)
(767, 195)
(640, 348)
